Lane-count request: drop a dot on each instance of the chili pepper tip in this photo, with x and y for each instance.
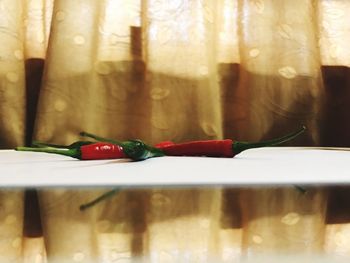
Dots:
(238, 147)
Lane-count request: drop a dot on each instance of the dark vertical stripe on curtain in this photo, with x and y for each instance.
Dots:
(33, 73)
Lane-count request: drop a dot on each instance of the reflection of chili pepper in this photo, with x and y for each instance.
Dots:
(219, 148)
(91, 151)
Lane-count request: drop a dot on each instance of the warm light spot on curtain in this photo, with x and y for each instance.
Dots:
(117, 18)
(334, 26)
(37, 20)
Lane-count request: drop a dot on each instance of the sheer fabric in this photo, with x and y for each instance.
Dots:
(174, 70)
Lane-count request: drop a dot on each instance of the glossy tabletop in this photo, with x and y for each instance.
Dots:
(264, 166)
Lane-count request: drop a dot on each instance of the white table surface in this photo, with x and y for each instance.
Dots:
(264, 166)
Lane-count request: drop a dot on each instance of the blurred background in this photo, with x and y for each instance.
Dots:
(177, 70)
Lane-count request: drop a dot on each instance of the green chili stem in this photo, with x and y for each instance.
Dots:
(98, 138)
(74, 145)
(241, 146)
(68, 152)
(45, 145)
(106, 195)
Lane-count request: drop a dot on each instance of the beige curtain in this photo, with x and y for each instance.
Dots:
(174, 70)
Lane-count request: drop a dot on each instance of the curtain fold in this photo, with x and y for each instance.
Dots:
(174, 70)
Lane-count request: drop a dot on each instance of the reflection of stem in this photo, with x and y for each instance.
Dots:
(301, 189)
(99, 199)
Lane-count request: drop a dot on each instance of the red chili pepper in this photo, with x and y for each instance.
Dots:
(212, 148)
(93, 151)
(101, 150)
(136, 150)
(220, 148)
(163, 144)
